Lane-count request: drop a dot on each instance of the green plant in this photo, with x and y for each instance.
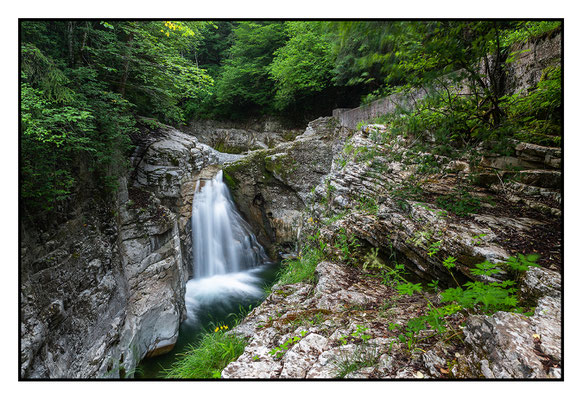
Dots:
(459, 202)
(208, 357)
(343, 339)
(485, 268)
(536, 117)
(434, 285)
(389, 276)
(434, 248)
(408, 288)
(361, 124)
(346, 244)
(280, 350)
(419, 237)
(372, 261)
(334, 218)
(521, 263)
(476, 240)
(363, 356)
(475, 296)
(449, 264)
(360, 333)
(303, 269)
(367, 204)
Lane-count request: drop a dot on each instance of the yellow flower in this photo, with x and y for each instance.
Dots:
(217, 329)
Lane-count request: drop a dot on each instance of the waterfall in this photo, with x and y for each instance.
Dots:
(222, 240)
(227, 259)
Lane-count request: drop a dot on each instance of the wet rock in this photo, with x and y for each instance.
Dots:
(108, 289)
(272, 187)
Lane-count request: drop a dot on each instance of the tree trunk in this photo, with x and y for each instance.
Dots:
(126, 67)
(70, 28)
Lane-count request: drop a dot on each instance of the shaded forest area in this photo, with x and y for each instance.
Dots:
(88, 87)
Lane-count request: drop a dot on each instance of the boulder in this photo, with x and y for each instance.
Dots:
(508, 346)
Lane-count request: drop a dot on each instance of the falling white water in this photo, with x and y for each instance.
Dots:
(222, 240)
(227, 257)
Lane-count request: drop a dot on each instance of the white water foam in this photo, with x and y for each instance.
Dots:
(226, 254)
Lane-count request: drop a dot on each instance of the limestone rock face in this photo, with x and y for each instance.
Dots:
(271, 187)
(504, 345)
(73, 297)
(531, 60)
(240, 137)
(107, 288)
(321, 319)
(372, 196)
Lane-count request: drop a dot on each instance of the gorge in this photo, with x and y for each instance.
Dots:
(401, 258)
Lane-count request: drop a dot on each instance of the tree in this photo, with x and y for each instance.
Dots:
(82, 84)
(244, 85)
(303, 66)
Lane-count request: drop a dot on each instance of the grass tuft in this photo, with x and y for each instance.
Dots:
(302, 269)
(208, 357)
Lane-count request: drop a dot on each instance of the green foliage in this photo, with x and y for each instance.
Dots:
(389, 276)
(303, 269)
(372, 261)
(473, 296)
(347, 244)
(536, 117)
(409, 189)
(303, 65)
(527, 30)
(485, 269)
(522, 263)
(279, 351)
(367, 204)
(439, 55)
(360, 333)
(434, 248)
(459, 202)
(409, 288)
(82, 82)
(364, 51)
(364, 356)
(66, 132)
(244, 81)
(208, 357)
(485, 297)
(449, 262)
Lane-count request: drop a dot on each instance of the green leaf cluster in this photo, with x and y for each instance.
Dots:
(82, 85)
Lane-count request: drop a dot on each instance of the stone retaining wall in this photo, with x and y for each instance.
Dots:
(531, 60)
